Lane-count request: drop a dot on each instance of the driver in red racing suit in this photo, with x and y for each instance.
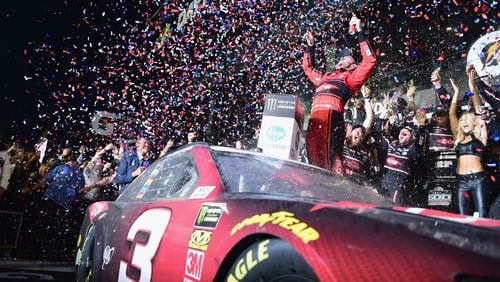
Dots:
(326, 132)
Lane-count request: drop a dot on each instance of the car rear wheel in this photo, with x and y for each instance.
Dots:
(270, 260)
(85, 257)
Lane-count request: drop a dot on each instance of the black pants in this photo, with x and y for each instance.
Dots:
(472, 193)
(395, 185)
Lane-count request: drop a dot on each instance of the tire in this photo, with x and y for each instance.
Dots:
(85, 263)
(270, 260)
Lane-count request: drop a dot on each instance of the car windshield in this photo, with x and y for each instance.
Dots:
(254, 173)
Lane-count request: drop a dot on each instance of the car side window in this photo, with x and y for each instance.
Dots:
(171, 177)
(186, 182)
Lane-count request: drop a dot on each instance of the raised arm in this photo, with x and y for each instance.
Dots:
(307, 62)
(370, 116)
(476, 100)
(483, 131)
(453, 109)
(441, 93)
(356, 79)
(411, 96)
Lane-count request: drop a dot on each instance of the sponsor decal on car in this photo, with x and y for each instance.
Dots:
(253, 257)
(107, 255)
(393, 161)
(154, 172)
(79, 252)
(283, 219)
(97, 208)
(145, 188)
(194, 264)
(142, 242)
(209, 215)
(200, 239)
(202, 192)
(78, 259)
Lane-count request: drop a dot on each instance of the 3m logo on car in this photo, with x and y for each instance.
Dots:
(275, 133)
(200, 239)
(208, 216)
(194, 264)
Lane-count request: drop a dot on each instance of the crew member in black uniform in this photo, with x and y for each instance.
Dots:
(399, 164)
(357, 157)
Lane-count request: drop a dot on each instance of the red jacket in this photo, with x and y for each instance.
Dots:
(341, 84)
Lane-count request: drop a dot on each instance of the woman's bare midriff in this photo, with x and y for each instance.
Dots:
(468, 164)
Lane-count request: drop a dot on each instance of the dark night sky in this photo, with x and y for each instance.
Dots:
(22, 22)
(14, 30)
(19, 25)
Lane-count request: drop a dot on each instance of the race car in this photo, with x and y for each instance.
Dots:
(208, 213)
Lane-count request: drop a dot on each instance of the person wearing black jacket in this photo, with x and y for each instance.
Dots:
(399, 164)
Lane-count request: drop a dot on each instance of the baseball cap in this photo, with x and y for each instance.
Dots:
(359, 126)
(440, 111)
(409, 128)
(345, 53)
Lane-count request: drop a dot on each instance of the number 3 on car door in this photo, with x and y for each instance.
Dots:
(152, 223)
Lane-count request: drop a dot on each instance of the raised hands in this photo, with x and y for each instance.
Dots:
(356, 22)
(411, 90)
(454, 86)
(309, 37)
(365, 91)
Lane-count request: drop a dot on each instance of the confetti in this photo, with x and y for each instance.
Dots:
(122, 58)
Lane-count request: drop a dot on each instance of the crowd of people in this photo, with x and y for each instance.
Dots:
(447, 160)
(206, 79)
(53, 192)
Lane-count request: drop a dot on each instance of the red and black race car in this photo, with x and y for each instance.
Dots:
(205, 213)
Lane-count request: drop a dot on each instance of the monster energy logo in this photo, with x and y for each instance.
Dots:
(271, 104)
(208, 216)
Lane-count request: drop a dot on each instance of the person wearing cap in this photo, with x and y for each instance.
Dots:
(326, 132)
(132, 164)
(357, 158)
(399, 164)
(438, 158)
(192, 137)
